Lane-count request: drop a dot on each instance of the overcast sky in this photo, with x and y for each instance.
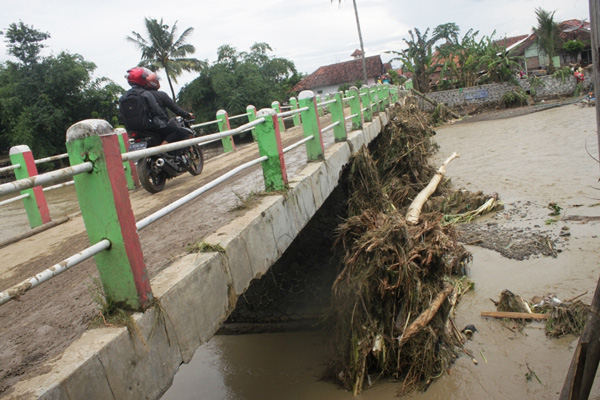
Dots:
(311, 33)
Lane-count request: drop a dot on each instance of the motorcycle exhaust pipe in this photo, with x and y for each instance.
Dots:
(160, 162)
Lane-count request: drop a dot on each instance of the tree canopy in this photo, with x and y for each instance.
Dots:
(164, 50)
(238, 79)
(41, 97)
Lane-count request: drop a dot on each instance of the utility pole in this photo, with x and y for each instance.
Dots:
(362, 47)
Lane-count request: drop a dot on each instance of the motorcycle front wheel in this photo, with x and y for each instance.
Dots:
(152, 179)
(196, 160)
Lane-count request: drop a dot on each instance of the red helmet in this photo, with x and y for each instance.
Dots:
(142, 77)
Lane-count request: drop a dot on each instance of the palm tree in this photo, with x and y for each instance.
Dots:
(547, 33)
(162, 50)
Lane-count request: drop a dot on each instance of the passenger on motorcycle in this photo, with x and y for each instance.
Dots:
(146, 82)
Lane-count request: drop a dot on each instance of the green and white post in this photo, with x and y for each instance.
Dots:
(35, 203)
(106, 210)
(355, 110)
(269, 145)
(251, 111)
(294, 106)
(311, 126)
(337, 115)
(365, 98)
(277, 107)
(133, 180)
(223, 123)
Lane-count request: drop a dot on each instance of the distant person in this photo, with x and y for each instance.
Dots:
(144, 83)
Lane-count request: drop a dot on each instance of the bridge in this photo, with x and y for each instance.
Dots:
(199, 259)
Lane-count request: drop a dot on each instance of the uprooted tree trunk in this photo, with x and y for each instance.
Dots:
(435, 103)
(414, 210)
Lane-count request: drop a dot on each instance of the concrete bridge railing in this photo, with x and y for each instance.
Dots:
(98, 164)
(197, 292)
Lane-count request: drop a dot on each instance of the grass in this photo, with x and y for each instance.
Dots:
(204, 247)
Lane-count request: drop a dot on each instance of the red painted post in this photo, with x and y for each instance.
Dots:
(269, 144)
(36, 206)
(133, 180)
(106, 211)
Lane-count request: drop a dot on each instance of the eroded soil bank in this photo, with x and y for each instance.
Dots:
(530, 161)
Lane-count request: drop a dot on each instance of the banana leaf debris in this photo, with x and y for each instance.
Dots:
(398, 283)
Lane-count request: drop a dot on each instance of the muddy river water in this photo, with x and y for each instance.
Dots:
(529, 161)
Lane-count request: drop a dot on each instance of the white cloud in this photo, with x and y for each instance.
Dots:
(309, 32)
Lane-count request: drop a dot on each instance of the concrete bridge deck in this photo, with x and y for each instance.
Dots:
(195, 293)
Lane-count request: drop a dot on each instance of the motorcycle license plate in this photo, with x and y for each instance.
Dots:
(137, 146)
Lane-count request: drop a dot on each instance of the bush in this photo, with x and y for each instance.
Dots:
(514, 98)
(562, 74)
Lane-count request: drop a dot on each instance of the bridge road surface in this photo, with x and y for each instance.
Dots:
(48, 318)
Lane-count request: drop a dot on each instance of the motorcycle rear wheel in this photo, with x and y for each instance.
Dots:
(196, 159)
(153, 181)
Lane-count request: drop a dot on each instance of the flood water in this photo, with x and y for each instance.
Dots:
(533, 160)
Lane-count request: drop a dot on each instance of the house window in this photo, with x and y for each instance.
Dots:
(319, 92)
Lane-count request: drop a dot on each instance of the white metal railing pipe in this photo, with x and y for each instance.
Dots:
(48, 177)
(20, 288)
(203, 124)
(288, 118)
(52, 158)
(10, 168)
(60, 185)
(239, 116)
(328, 127)
(350, 117)
(191, 196)
(137, 154)
(301, 142)
(324, 103)
(363, 109)
(292, 113)
(13, 199)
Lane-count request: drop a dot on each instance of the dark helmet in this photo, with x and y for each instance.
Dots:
(142, 77)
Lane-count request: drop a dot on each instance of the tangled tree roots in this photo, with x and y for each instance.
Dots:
(390, 301)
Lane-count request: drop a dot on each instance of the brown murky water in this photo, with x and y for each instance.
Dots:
(530, 161)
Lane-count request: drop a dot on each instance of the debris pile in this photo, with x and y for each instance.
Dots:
(393, 298)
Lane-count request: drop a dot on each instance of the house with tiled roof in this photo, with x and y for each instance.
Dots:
(572, 29)
(328, 78)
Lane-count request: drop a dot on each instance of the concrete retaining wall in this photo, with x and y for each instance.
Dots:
(492, 93)
(196, 294)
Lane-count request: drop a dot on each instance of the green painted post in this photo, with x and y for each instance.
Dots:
(223, 123)
(311, 125)
(337, 115)
(133, 180)
(365, 98)
(251, 111)
(275, 106)
(294, 106)
(107, 214)
(374, 99)
(269, 144)
(35, 204)
(326, 108)
(385, 96)
(355, 108)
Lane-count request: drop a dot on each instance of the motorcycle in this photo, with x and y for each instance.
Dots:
(155, 170)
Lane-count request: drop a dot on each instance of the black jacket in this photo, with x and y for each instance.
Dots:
(165, 102)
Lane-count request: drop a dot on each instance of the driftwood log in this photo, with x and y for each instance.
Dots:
(426, 316)
(514, 315)
(414, 210)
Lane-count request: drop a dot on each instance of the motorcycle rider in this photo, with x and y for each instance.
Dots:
(146, 83)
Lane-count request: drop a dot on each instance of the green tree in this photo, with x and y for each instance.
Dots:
(548, 35)
(163, 50)
(24, 42)
(418, 56)
(238, 79)
(40, 98)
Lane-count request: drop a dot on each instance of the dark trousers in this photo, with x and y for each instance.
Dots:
(172, 133)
